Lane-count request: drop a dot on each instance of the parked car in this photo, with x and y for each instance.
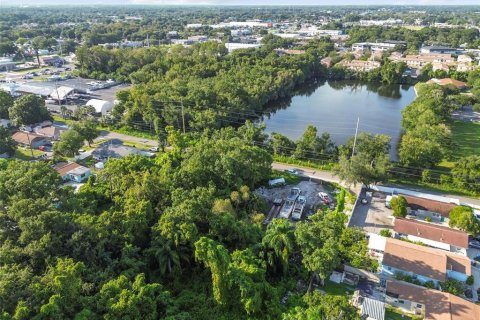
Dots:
(474, 244)
(154, 149)
(293, 171)
(324, 197)
(41, 148)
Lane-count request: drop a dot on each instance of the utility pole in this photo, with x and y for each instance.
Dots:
(355, 139)
(56, 89)
(183, 116)
(30, 144)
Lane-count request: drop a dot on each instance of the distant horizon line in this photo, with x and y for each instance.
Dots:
(236, 5)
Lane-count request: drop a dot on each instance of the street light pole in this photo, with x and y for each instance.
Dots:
(355, 139)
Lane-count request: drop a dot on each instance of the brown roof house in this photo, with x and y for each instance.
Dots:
(27, 138)
(432, 235)
(433, 206)
(50, 132)
(431, 304)
(448, 82)
(72, 171)
(423, 263)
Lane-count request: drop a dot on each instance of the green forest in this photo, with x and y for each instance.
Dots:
(179, 236)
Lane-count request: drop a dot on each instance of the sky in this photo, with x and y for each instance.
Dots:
(241, 2)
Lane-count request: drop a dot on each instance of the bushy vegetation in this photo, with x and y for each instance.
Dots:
(399, 206)
(128, 242)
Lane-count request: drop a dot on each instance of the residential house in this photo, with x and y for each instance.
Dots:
(72, 171)
(432, 235)
(51, 132)
(435, 207)
(464, 58)
(421, 60)
(429, 303)
(28, 139)
(423, 263)
(360, 65)
(440, 66)
(448, 82)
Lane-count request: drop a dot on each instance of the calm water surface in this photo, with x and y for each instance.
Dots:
(335, 107)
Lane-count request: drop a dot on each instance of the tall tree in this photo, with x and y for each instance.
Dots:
(279, 241)
(7, 145)
(6, 102)
(70, 142)
(370, 162)
(28, 109)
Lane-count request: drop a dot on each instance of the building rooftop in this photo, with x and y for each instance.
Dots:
(373, 309)
(417, 203)
(448, 81)
(26, 137)
(63, 167)
(438, 305)
(425, 261)
(432, 232)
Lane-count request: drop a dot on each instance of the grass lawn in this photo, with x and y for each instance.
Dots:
(26, 154)
(466, 136)
(337, 289)
(393, 315)
(289, 178)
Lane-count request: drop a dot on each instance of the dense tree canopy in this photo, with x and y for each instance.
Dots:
(177, 237)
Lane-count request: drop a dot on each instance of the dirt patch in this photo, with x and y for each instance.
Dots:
(309, 189)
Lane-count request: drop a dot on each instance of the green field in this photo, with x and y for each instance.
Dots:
(26, 154)
(466, 139)
(466, 136)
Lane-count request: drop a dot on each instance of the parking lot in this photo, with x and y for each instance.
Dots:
(309, 189)
(373, 216)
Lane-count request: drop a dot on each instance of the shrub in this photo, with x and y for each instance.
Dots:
(453, 286)
(426, 176)
(462, 217)
(476, 107)
(399, 206)
(445, 179)
(386, 233)
(341, 201)
(428, 219)
(430, 284)
(470, 280)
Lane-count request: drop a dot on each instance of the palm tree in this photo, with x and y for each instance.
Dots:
(63, 111)
(169, 256)
(279, 238)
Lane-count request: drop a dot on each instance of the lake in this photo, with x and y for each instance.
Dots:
(335, 106)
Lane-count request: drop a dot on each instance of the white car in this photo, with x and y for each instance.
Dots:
(154, 149)
(293, 171)
(324, 197)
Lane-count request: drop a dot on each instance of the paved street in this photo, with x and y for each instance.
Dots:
(108, 135)
(315, 174)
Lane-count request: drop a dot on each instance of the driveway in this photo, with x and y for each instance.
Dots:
(374, 216)
(108, 135)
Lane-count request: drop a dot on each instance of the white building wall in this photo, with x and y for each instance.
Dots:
(431, 243)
